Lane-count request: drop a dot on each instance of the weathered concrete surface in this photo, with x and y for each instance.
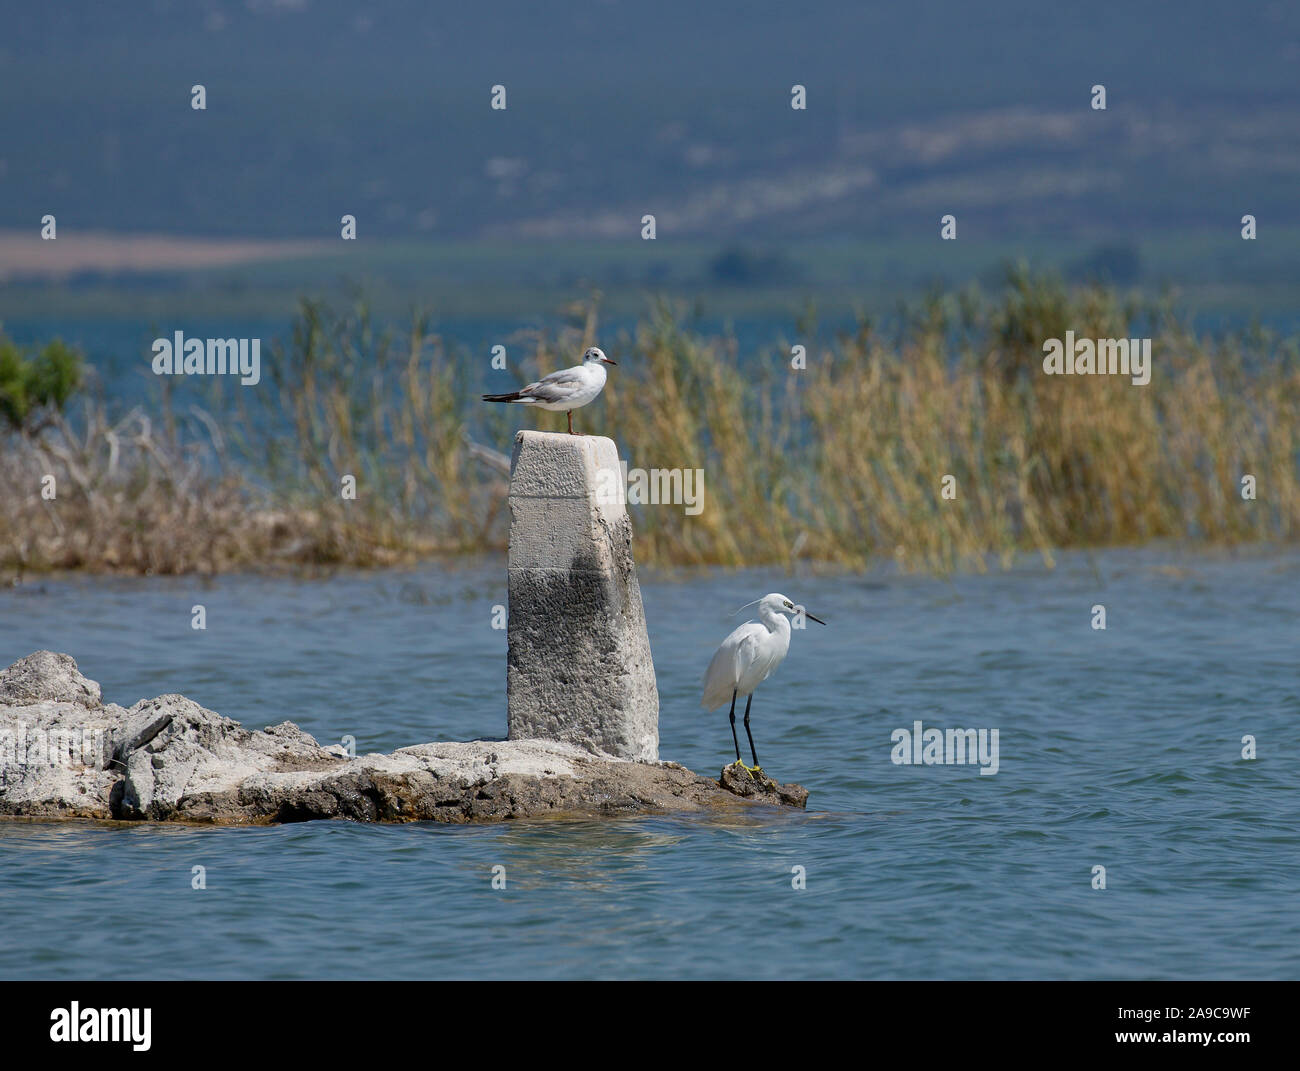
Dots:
(169, 759)
(579, 668)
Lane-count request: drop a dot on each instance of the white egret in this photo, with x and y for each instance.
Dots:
(747, 658)
(565, 390)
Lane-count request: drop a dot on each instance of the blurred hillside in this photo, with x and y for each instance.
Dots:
(615, 109)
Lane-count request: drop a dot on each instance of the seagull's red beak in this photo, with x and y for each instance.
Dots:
(606, 360)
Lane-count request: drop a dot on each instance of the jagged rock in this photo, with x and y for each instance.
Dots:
(170, 759)
(56, 739)
(756, 785)
(197, 752)
(47, 676)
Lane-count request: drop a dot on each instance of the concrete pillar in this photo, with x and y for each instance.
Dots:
(579, 668)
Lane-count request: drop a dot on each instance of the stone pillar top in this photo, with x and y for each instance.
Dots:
(549, 464)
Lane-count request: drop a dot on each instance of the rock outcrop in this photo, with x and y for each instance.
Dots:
(65, 753)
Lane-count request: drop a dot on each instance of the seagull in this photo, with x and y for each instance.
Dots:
(565, 390)
(747, 658)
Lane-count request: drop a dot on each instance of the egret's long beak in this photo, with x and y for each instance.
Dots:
(817, 619)
(606, 360)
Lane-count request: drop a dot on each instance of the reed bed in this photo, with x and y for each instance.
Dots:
(841, 463)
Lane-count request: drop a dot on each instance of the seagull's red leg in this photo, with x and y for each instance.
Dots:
(571, 431)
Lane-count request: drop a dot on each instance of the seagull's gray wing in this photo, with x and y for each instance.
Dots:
(556, 387)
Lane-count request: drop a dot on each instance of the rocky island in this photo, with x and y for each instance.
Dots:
(582, 706)
(65, 753)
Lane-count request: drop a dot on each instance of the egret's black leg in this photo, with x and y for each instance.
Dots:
(747, 732)
(734, 739)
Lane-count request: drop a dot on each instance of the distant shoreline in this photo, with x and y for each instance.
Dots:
(26, 255)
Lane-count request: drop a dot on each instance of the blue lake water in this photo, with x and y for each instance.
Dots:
(1118, 748)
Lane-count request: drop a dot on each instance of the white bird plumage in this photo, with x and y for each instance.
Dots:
(748, 657)
(565, 390)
